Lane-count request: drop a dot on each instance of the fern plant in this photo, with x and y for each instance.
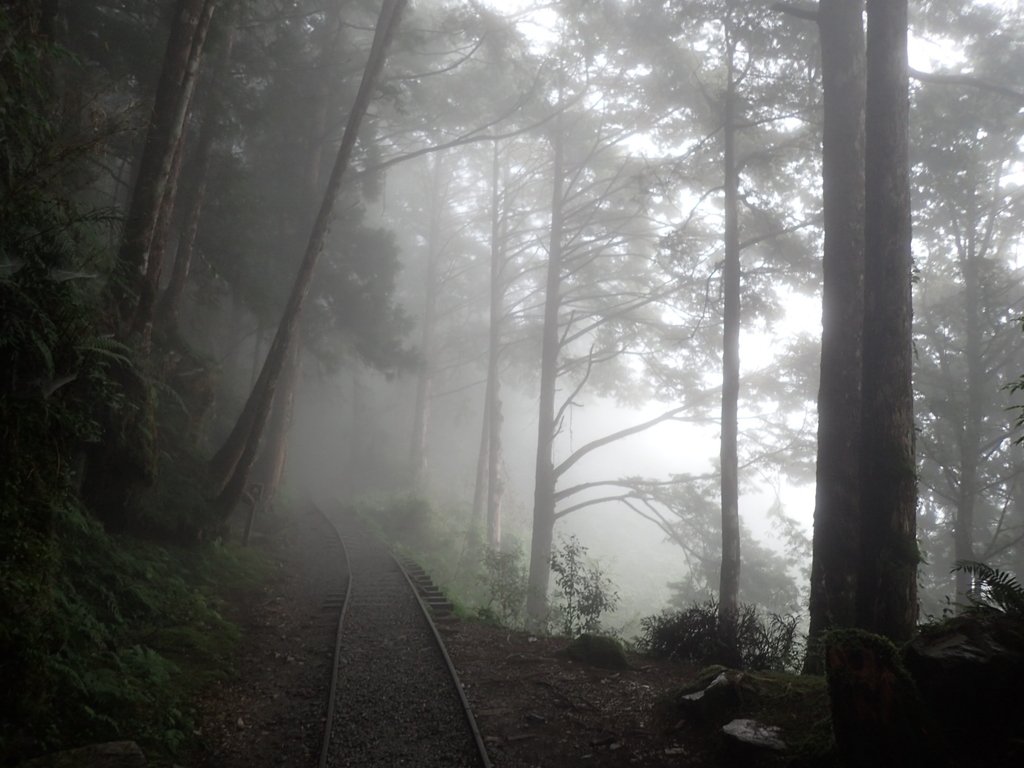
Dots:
(994, 588)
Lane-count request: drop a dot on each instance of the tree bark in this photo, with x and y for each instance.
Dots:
(144, 313)
(836, 502)
(887, 573)
(170, 300)
(230, 467)
(544, 482)
(424, 376)
(728, 596)
(270, 464)
(493, 390)
(479, 509)
(163, 137)
(970, 436)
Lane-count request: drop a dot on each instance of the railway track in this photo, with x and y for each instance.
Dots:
(395, 698)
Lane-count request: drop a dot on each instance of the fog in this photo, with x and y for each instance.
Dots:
(436, 276)
(689, 330)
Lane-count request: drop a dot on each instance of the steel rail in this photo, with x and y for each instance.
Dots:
(485, 760)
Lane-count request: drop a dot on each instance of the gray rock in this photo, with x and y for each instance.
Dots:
(969, 671)
(716, 701)
(751, 733)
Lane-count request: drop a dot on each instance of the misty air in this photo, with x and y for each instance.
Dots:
(471, 383)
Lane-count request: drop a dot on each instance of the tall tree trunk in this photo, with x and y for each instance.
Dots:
(424, 376)
(729, 584)
(544, 489)
(488, 492)
(230, 467)
(269, 467)
(163, 136)
(970, 439)
(479, 509)
(144, 313)
(170, 301)
(837, 496)
(493, 389)
(357, 470)
(887, 576)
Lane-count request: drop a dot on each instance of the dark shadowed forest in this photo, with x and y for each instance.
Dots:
(691, 329)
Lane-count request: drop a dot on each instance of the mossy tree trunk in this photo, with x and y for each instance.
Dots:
(837, 497)
(887, 572)
(133, 290)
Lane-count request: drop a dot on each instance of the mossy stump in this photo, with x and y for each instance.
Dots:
(877, 716)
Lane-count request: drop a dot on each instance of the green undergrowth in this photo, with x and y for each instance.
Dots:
(129, 632)
(486, 584)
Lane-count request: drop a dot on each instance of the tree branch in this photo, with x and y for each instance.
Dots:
(799, 10)
(622, 433)
(969, 81)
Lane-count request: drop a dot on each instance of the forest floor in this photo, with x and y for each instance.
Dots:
(534, 706)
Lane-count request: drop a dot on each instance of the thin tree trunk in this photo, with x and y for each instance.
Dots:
(887, 576)
(424, 376)
(544, 490)
(356, 467)
(728, 596)
(165, 133)
(479, 508)
(490, 450)
(836, 502)
(970, 447)
(257, 350)
(493, 390)
(231, 465)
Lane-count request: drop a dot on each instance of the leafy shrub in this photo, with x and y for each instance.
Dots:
(505, 579)
(584, 592)
(766, 641)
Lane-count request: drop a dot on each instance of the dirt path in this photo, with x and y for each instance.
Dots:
(273, 714)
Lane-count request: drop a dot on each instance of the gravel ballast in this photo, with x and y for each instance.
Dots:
(396, 702)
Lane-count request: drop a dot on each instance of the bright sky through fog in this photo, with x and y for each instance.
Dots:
(656, 453)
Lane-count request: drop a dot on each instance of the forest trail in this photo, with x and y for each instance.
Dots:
(534, 706)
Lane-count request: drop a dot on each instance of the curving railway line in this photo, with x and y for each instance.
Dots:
(395, 699)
